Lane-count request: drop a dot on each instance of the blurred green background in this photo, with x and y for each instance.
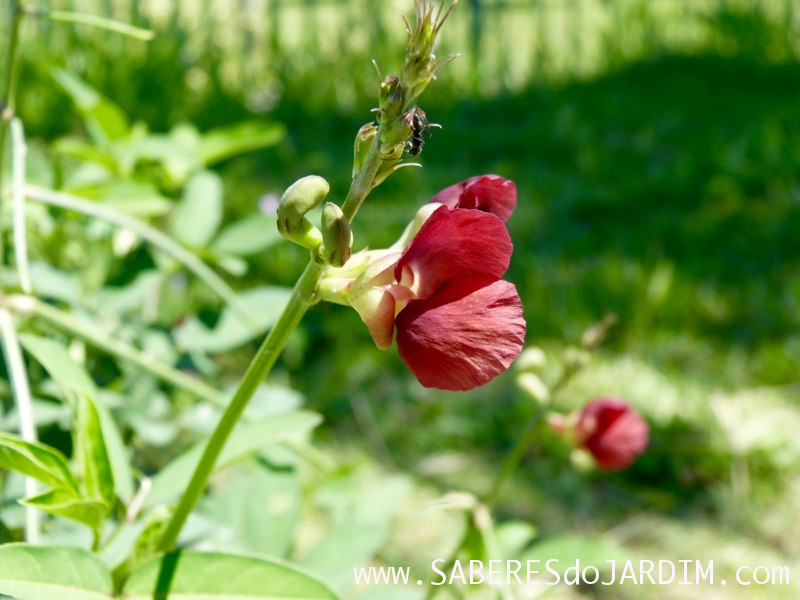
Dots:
(655, 145)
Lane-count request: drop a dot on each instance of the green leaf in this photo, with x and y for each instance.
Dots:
(98, 478)
(245, 439)
(198, 214)
(349, 545)
(117, 454)
(176, 152)
(219, 144)
(52, 573)
(69, 376)
(264, 303)
(84, 151)
(249, 236)
(141, 200)
(514, 536)
(63, 504)
(97, 433)
(208, 575)
(36, 460)
(104, 120)
(262, 506)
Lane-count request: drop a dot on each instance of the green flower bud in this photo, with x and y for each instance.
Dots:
(302, 196)
(337, 238)
(364, 139)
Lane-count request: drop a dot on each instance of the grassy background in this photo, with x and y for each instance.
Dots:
(656, 150)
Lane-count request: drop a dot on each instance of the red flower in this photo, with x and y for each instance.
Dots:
(489, 193)
(612, 432)
(458, 323)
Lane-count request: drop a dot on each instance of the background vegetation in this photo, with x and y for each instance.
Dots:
(656, 149)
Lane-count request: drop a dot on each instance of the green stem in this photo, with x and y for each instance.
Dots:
(18, 152)
(514, 458)
(152, 235)
(482, 517)
(303, 296)
(8, 98)
(98, 338)
(22, 397)
(100, 22)
(518, 453)
(299, 302)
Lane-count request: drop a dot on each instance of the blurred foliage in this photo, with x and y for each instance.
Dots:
(656, 152)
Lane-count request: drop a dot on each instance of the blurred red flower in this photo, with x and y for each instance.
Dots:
(612, 432)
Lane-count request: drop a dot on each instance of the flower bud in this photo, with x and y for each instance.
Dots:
(364, 139)
(303, 195)
(337, 238)
(612, 432)
(390, 98)
(532, 359)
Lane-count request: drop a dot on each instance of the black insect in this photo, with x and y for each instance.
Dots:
(419, 125)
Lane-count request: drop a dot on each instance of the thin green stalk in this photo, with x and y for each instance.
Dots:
(152, 235)
(514, 459)
(303, 296)
(99, 22)
(95, 336)
(18, 152)
(22, 397)
(299, 302)
(8, 98)
(482, 517)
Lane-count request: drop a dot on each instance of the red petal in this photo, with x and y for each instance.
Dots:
(489, 193)
(454, 243)
(464, 335)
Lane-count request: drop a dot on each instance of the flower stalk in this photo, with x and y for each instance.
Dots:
(304, 294)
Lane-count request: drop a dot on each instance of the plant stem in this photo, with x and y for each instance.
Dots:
(22, 397)
(8, 98)
(18, 152)
(518, 453)
(512, 460)
(152, 235)
(101, 22)
(303, 296)
(95, 336)
(300, 300)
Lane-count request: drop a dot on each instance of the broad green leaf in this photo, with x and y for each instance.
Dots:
(209, 575)
(84, 151)
(246, 439)
(98, 478)
(137, 199)
(63, 504)
(219, 144)
(101, 439)
(349, 545)
(36, 460)
(70, 377)
(104, 120)
(197, 216)
(50, 282)
(176, 152)
(514, 536)
(249, 236)
(264, 303)
(262, 507)
(52, 573)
